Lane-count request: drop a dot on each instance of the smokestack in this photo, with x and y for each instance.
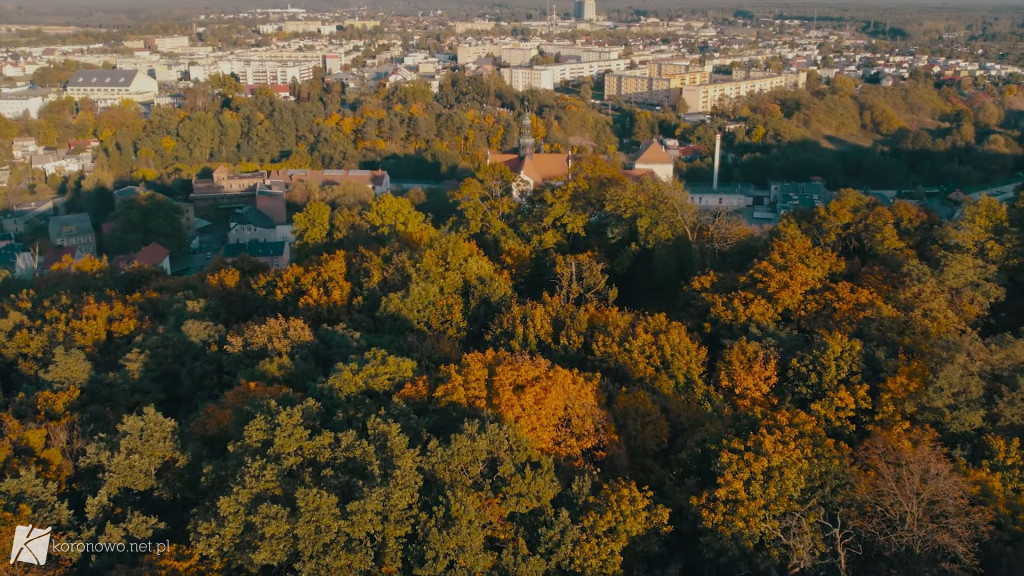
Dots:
(718, 158)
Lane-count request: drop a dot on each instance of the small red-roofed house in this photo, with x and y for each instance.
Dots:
(152, 256)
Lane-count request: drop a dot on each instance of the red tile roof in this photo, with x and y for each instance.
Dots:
(637, 174)
(539, 168)
(152, 255)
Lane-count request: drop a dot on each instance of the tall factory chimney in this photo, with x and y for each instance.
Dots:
(718, 158)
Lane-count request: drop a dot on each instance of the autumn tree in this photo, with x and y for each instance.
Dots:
(915, 507)
(558, 409)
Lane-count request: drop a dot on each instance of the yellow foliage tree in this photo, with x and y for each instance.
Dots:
(559, 409)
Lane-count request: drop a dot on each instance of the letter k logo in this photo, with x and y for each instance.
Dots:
(30, 544)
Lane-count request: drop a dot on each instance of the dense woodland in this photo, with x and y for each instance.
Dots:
(598, 380)
(587, 383)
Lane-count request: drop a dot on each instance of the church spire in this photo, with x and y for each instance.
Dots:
(526, 141)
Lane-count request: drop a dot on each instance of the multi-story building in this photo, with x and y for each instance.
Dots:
(585, 10)
(547, 77)
(675, 67)
(111, 86)
(579, 53)
(517, 55)
(467, 54)
(704, 97)
(477, 26)
(253, 72)
(73, 230)
(367, 24)
(250, 223)
(301, 26)
(644, 87)
(541, 78)
(168, 43)
(18, 104)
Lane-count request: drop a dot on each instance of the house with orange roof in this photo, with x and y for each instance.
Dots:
(654, 158)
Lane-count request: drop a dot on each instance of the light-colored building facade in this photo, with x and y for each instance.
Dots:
(656, 160)
(107, 86)
(168, 43)
(585, 10)
(704, 97)
(641, 86)
(547, 77)
(301, 26)
(580, 53)
(476, 26)
(517, 55)
(529, 78)
(255, 72)
(469, 53)
(17, 105)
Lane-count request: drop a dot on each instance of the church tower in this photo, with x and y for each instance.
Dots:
(526, 141)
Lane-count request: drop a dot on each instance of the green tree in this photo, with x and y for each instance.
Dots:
(148, 218)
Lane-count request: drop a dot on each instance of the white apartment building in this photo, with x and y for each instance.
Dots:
(16, 105)
(168, 43)
(547, 77)
(643, 87)
(585, 10)
(582, 53)
(517, 56)
(541, 78)
(703, 97)
(478, 26)
(301, 26)
(466, 53)
(112, 86)
(252, 72)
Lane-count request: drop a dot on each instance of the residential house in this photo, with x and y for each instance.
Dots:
(56, 255)
(21, 214)
(274, 254)
(62, 162)
(654, 158)
(251, 224)
(152, 256)
(23, 147)
(74, 230)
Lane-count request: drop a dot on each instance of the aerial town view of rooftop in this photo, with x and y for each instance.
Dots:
(566, 287)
